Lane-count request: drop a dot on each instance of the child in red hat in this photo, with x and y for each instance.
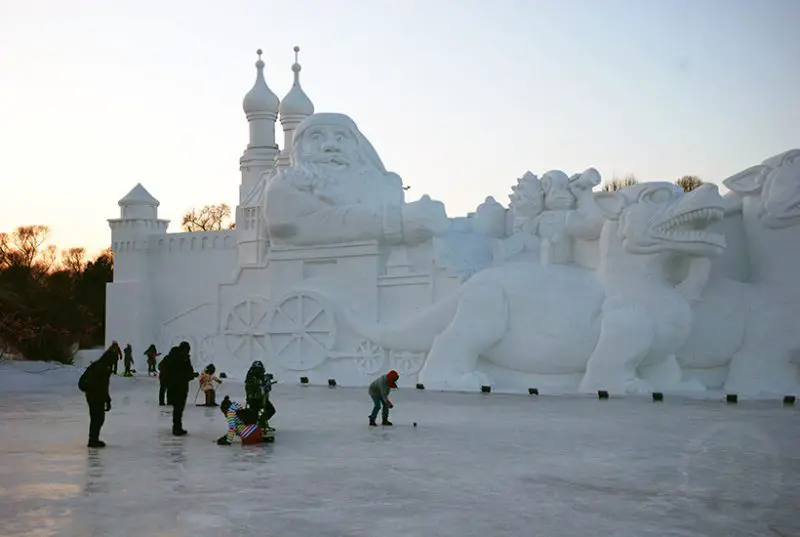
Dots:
(379, 392)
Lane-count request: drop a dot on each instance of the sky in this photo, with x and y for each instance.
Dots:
(459, 98)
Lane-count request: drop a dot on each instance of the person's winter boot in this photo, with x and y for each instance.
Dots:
(372, 422)
(96, 444)
(178, 432)
(386, 422)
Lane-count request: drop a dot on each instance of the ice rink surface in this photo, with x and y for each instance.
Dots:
(477, 465)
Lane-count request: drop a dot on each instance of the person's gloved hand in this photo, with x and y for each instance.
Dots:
(223, 441)
(108, 406)
(390, 405)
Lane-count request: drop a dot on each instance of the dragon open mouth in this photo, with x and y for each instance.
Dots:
(692, 226)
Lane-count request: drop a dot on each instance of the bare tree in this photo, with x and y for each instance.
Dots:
(209, 218)
(74, 260)
(617, 184)
(23, 248)
(689, 182)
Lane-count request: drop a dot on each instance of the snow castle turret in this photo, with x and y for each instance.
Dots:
(260, 106)
(294, 108)
(128, 296)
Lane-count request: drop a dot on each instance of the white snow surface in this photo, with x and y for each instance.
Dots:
(476, 465)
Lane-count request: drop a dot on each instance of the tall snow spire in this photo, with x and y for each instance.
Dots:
(260, 98)
(294, 108)
(296, 102)
(261, 108)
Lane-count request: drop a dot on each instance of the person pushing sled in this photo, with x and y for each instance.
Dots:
(242, 424)
(379, 392)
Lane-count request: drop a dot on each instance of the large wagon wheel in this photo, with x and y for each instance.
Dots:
(244, 329)
(302, 330)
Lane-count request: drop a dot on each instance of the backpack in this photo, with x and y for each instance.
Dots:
(83, 382)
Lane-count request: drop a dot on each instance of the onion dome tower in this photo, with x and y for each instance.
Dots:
(260, 106)
(294, 108)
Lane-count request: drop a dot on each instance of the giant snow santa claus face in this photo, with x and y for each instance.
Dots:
(329, 147)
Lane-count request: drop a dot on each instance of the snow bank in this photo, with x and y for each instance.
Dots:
(20, 376)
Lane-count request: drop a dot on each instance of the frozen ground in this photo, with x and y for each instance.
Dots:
(477, 465)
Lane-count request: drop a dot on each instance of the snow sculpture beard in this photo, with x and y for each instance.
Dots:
(309, 176)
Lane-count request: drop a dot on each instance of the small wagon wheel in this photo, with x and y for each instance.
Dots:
(370, 357)
(302, 330)
(407, 362)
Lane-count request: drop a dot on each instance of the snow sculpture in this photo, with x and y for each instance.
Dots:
(337, 190)
(526, 204)
(490, 219)
(609, 325)
(618, 291)
(753, 327)
(551, 225)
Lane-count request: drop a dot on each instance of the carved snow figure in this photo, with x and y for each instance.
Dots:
(585, 222)
(551, 225)
(526, 203)
(753, 327)
(337, 190)
(489, 219)
(609, 325)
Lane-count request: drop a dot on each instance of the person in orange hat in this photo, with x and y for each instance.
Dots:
(379, 392)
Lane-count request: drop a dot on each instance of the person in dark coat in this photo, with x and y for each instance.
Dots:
(95, 384)
(128, 353)
(177, 372)
(118, 353)
(162, 385)
(151, 354)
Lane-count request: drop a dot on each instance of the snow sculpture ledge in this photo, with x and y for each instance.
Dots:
(337, 190)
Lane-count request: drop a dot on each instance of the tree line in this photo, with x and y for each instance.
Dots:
(51, 302)
(687, 183)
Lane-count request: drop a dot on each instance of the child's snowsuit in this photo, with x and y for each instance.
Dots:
(248, 433)
(207, 380)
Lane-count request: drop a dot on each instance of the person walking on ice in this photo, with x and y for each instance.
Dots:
(94, 383)
(379, 392)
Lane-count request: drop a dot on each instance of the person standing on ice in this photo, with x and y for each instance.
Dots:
(177, 372)
(250, 433)
(94, 382)
(162, 385)
(118, 353)
(151, 354)
(379, 392)
(128, 360)
(207, 380)
(257, 385)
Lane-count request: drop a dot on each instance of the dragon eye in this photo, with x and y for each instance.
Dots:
(658, 196)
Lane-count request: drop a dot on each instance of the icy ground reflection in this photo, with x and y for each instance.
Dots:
(476, 466)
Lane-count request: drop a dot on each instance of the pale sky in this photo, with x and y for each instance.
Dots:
(458, 97)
